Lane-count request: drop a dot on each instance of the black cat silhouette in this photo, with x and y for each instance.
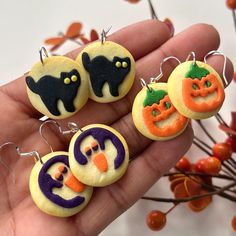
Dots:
(52, 89)
(102, 71)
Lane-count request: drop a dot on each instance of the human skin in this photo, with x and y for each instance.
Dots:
(149, 42)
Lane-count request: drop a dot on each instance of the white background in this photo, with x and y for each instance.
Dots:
(24, 24)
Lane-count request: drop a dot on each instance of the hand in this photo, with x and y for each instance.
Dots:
(149, 42)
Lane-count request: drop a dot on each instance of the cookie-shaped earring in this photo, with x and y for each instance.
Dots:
(98, 155)
(57, 86)
(153, 112)
(196, 89)
(110, 69)
(53, 187)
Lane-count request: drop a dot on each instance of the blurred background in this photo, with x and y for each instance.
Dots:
(25, 24)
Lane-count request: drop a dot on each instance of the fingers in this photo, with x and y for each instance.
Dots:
(109, 202)
(140, 39)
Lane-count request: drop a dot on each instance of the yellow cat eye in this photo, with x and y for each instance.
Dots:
(118, 64)
(74, 78)
(67, 80)
(124, 64)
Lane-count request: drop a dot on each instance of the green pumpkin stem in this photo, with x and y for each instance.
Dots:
(196, 72)
(153, 96)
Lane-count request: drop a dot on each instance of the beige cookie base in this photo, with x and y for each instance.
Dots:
(54, 66)
(109, 50)
(44, 203)
(89, 174)
(138, 116)
(175, 82)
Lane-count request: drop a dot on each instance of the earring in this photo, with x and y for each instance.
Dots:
(53, 187)
(196, 89)
(98, 155)
(110, 69)
(153, 112)
(57, 86)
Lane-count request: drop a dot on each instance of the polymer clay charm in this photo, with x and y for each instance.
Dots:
(110, 69)
(98, 155)
(196, 90)
(54, 189)
(57, 87)
(155, 116)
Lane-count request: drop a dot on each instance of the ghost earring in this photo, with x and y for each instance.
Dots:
(196, 89)
(57, 86)
(153, 112)
(110, 69)
(98, 155)
(53, 187)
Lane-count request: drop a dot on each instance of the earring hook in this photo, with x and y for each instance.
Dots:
(72, 128)
(145, 85)
(217, 53)
(104, 34)
(43, 52)
(193, 55)
(34, 154)
(154, 80)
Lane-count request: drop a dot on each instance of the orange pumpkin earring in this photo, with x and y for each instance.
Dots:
(153, 112)
(196, 89)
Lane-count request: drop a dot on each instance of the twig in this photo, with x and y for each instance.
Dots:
(205, 131)
(187, 199)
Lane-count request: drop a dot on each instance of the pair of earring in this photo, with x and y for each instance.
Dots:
(61, 183)
(194, 90)
(58, 86)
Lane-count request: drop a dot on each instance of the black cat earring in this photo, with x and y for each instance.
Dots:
(57, 86)
(110, 68)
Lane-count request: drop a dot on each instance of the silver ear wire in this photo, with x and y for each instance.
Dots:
(216, 53)
(43, 52)
(104, 35)
(154, 80)
(145, 85)
(34, 154)
(193, 55)
(72, 128)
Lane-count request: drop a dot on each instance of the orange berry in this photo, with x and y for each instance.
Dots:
(199, 165)
(223, 151)
(232, 142)
(233, 223)
(212, 166)
(132, 1)
(183, 164)
(231, 4)
(156, 220)
(234, 76)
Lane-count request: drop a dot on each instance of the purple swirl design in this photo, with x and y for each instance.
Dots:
(47, 183)
(101, 135)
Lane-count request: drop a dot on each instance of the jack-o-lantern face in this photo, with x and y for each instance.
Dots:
(203, 95)
(161, 118)
(196, 90)
(154, 114)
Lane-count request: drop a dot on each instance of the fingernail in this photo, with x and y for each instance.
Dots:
(170, 25)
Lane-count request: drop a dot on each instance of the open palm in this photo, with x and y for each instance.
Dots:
(149, 42)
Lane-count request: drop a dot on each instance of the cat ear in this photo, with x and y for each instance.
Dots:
(115, 59)
(127, 59)
(75, 72)
(64, 75)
